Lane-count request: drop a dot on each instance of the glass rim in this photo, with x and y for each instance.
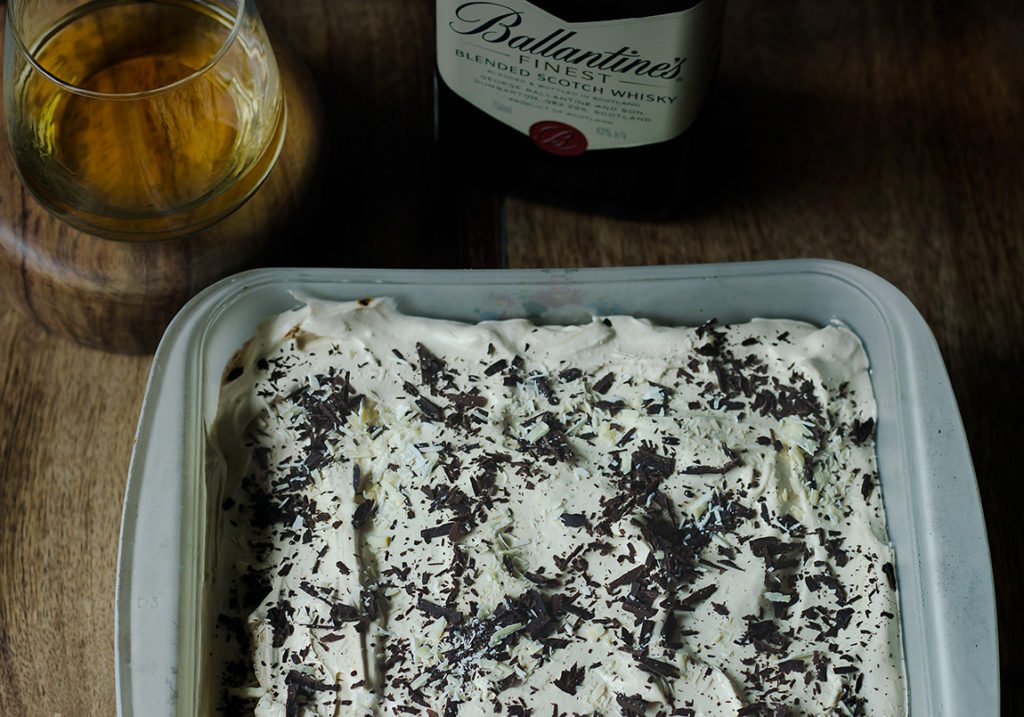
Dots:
(12, 23)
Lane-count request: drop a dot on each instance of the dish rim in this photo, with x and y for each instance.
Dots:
(912, 341)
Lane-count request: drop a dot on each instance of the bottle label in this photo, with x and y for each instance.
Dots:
(573, 87)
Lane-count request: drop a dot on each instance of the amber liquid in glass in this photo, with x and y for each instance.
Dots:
(188, 140)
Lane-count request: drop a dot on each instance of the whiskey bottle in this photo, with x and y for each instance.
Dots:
(592, 105)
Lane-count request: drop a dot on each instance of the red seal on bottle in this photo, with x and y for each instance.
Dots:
(558, 138)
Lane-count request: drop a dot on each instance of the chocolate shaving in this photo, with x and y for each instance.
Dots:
(668, 629)
(658, 667)
(291, 705)
(298, 684)
(573, 520)
(626, 437)
(639, 610)
(570, 679)
(438, 531)
(867, 486)
(430, 410)
(431, 367)
(362, 514)
(862, 431)
(735, 462)
(496, 367)
(280, 619)
(691, 602)
(649, 464)
(553, 444)
(541, 580)
(545, 389)
(628, 578)
(454, 617)
(570, 374)
(454, 529)
(632, 705)
(612, 407)
(764, 635)
(890, 575)
(306, 682)
(604, 383)
(467, 400)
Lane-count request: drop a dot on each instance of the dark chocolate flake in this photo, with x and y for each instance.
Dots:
(867, 486)
(280, 618)
(632, 705)
(430, 410)
(697, 470)
(454, 529)
(604, 383)
(554, 444)
(787, 666)
(693, 600)
(362, 514)
(467, 400)
(764, 635)
(431, 367)
(545, 390)
(658, 667)
(496, 367)
(890, 575)
(648, 464)
(452, 616)
(629, 577)
(612, 407)
(573, 520)
(570, 679)
(862, 431)
(306, 682)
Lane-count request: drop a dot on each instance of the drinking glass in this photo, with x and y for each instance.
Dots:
(141, 119)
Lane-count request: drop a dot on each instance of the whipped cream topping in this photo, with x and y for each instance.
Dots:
(429, 517)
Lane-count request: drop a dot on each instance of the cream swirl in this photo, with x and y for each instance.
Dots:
(613, 518)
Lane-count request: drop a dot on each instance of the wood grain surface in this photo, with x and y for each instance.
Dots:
(884, 133)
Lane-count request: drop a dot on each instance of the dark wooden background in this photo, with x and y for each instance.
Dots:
(886, 133)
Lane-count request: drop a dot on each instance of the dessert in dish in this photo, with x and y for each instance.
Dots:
(426, 517)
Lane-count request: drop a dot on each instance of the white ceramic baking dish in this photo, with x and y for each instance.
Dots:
(928, 484)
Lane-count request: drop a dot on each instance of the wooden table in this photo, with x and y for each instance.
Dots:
(884, 133)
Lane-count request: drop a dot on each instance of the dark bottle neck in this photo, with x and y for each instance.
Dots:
(597, 10)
